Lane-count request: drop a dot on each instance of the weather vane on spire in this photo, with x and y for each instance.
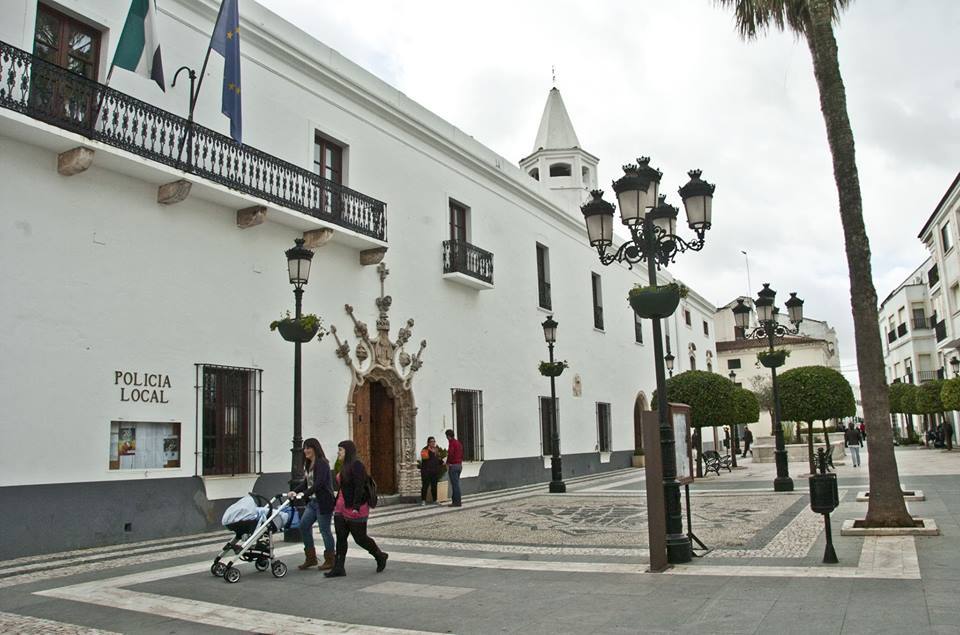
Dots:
(553, 74)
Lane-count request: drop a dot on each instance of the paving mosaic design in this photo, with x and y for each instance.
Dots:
(728, 521)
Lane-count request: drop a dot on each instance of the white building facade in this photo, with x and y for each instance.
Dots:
(142, 266)
(814, 345)
(940, 235)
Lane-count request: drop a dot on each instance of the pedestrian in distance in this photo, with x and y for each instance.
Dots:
(852, 439)
(351, 511)
(430, 467)
(948, 434)
(726, 437)
(454, 468)
(863, 431)
(317, 490)
(747, 441)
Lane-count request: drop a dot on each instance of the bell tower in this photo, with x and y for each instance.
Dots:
(558, 161)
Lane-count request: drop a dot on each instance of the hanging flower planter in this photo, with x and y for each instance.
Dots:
(773, 359)
(553, 369)
(656, 302)
(302, 329)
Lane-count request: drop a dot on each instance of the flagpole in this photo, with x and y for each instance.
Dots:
(195, 92)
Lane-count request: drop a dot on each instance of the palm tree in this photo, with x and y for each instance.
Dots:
(813, 20)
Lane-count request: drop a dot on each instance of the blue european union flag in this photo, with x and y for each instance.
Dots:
(226, 42)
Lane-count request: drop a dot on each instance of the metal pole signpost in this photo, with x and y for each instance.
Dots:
(654, 241)
(557, 486)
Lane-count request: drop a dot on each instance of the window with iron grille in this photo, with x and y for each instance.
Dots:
(468, 421)
(229, 412)
(706, 328)
(637, 328)
(597, 301)
(603, 426)
(546, 425)
(686, 317)
(733, 364)
(543, 276)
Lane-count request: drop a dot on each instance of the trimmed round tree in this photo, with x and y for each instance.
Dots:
(950, 394)
(747, 407)
(901, 403)
(710, 397)
(927, 400)
(815, 393)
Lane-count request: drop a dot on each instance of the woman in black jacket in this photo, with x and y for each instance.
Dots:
(317, 488)
(351, 511)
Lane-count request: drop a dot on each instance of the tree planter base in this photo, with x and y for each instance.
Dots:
(637, 461)
(910, 495)
(923, 527)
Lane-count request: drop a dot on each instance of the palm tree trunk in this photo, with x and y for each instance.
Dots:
(886, 507)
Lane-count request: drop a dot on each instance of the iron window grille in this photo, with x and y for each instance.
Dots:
(228, 431)
(603, 427)
(467, 407)
(546, 424)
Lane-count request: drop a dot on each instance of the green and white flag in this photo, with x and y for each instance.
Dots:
(139, 47)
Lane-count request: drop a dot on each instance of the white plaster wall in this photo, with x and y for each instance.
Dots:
(105, 279)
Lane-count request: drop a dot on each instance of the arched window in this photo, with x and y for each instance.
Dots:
(560, 169)
(535, 173)
(693, 363)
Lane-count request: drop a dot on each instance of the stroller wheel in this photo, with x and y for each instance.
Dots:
(278, 569)
(218, 569)
(232, 575)
(262, 564)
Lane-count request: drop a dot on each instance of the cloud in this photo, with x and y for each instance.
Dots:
(673, 80)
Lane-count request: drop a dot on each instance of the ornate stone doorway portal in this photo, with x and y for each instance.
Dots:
(381, 410)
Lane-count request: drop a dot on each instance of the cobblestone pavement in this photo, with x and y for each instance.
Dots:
(526, 561)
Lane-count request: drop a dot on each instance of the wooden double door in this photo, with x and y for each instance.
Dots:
(375, 433)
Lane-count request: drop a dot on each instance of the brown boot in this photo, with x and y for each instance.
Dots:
(329, 557)
(311, 561)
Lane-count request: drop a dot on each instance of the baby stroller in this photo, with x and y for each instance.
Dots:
(253, 519)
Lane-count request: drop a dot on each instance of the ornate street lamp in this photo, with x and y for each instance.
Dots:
(298, 266)
(769, 328)
(733, 376)
(955, 365)
(668, 360)
(557, 486)
(653, 240)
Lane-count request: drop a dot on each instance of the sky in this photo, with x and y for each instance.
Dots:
(671, 79)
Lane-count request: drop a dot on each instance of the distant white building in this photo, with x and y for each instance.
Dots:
(940, 234)
(141, 387)
(814, 345)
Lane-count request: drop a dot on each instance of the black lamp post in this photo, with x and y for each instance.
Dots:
(652, 224)
(298, 266)
(557, 486)
(769, 328)
(668, 359)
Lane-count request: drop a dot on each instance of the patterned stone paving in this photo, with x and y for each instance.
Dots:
(720, 521)
(12, 623)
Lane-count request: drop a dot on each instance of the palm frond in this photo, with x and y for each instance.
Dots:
(755, 17)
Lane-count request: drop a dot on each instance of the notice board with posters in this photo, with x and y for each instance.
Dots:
(678, 415)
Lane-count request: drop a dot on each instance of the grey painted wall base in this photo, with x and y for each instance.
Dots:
(53, 518)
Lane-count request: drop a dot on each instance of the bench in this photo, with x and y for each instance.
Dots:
(712, 462)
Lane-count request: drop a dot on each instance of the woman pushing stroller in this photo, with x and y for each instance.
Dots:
(317, 487)
(352, 511)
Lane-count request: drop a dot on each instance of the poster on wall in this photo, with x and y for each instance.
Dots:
(127, 441)
(171, 449)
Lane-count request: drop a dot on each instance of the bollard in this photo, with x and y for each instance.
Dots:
(824, 498)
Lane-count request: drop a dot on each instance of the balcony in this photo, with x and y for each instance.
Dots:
(60, 98)
(891, 336)
(467, 264)
(901, 329)
(923, 376)
(921, 323)
(933, 276)
(940, 328)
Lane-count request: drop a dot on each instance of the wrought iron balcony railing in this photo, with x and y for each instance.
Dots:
(460, 256)
(901, 329)
(923, 376)
(891, 336)
(921, 323)
(61, 98)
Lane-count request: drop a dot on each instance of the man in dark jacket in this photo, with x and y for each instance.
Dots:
(747, 441)
(852, 440)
